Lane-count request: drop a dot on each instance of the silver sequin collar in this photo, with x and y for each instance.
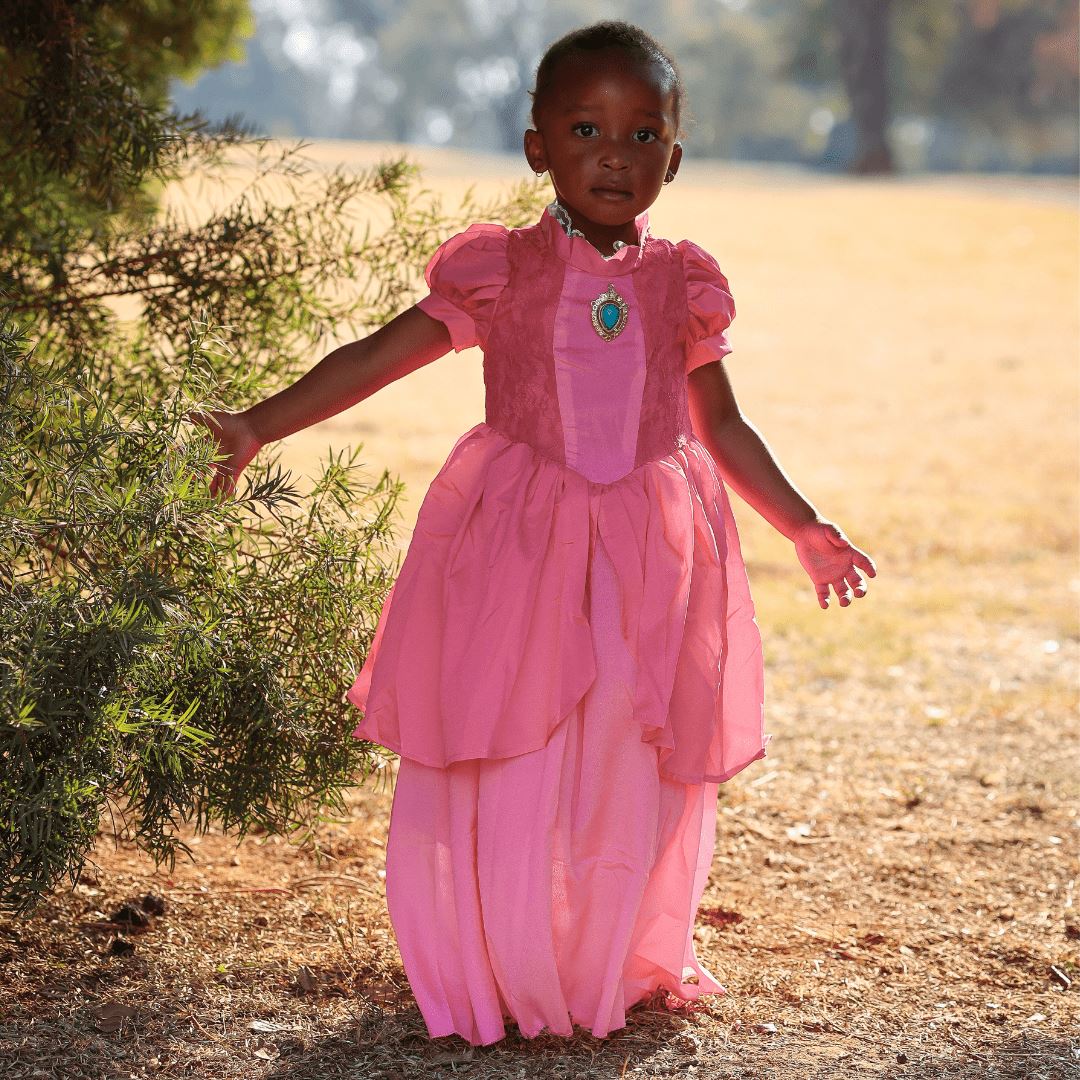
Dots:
(559, 213)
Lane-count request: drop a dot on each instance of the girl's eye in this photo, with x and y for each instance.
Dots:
(641, 131)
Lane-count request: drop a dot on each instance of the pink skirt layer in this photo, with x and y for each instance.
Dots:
(554, 887)
(484, 645)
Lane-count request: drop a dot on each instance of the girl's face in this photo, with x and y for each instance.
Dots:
(607, 136)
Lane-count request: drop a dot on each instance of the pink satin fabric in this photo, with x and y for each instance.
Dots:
(568, 663)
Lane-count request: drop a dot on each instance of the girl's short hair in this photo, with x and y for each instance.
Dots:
(612, 33)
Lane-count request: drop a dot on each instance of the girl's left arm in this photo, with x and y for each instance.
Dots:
(748, 466)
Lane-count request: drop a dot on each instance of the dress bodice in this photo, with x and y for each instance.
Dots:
(601, 407)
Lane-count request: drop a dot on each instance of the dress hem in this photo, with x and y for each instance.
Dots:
(545, 1029)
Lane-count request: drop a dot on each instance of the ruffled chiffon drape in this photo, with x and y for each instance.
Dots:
(492, 588)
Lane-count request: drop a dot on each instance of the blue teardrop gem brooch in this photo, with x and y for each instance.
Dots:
(609, 312)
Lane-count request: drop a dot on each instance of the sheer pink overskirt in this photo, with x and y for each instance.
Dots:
(557, 886)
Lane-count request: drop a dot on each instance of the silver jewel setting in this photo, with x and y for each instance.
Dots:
(609, 313)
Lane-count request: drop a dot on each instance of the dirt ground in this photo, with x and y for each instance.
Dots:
(894, 891)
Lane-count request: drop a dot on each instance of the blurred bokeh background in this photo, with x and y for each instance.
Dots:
(862, 85)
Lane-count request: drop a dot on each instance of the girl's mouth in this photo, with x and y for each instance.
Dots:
(610, 193)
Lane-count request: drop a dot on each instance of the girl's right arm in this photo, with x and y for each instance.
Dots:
(343, 377)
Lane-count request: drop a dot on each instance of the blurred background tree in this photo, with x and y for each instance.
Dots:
(166, 657)
(982, 83)
(68, 70)
(961, 84)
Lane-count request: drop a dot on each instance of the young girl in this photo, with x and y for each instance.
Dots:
(568, 663)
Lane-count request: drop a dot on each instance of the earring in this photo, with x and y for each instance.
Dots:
(670, 176)
(539, 172)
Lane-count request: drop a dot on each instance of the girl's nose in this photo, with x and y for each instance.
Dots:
(613, 155)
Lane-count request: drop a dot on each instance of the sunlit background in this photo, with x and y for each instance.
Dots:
(913, 85)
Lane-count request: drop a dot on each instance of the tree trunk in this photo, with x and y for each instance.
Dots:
(864, 46)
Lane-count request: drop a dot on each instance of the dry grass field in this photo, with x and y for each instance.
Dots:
(895, 888)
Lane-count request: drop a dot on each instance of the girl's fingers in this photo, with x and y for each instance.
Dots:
(855, 580)
(849, 584)
(221, 483)
(863, 561)
(226, 482)
(843, 592)
(848, 588)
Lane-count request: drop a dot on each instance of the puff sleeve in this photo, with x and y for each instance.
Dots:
(709, 304)
(466, 276)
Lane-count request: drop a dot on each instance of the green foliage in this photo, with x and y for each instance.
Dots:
(174, 656)
(166, 656)
(83, 120)
(174, 38)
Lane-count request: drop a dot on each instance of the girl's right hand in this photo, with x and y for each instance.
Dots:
(235, 439)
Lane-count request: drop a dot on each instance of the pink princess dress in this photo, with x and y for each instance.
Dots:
(568, 662)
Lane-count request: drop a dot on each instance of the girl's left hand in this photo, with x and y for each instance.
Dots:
(830, 558)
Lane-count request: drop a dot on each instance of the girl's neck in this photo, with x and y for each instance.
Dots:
(606, 245)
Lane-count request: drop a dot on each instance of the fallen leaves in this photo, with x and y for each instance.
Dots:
(453, 1057)
(110, 1016)
(720, 917)
(265, 1027)
(306, 980)
(128, 919)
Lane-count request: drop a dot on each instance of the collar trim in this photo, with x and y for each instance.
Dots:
(572, 246)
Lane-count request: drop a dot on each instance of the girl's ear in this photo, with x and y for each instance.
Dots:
(533, 144)
(676, 158)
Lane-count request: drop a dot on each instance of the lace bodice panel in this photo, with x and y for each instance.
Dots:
(600, 407)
